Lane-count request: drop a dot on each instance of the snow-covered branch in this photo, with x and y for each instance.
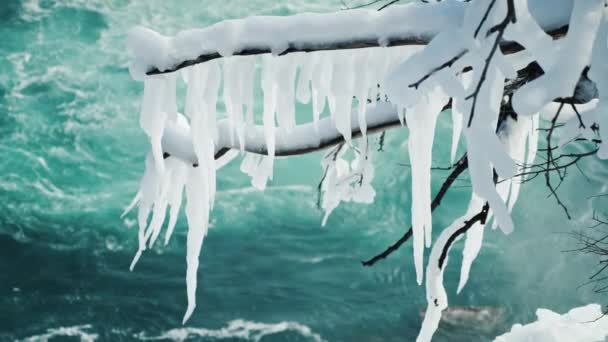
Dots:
(411, 24)
(310, 137)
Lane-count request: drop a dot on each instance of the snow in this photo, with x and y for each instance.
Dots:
(277, 34)
(583, 324)
(414, 22)
(563, 74)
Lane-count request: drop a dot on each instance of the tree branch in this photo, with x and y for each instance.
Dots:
(446, 14)
(479, 217)
(460, 166)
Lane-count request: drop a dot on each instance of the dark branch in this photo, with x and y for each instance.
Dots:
(479, 217)
(460, 166)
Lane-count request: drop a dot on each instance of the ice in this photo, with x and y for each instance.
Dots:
(583, 324)
(285, 75)
(404, 83)
(197, 213)
(421, 120)
(472, 246)
(562, 76)
(158, 105)
(412, 83)
(269, 87)
(528, 33)
(233, 97)
(437, 299)
(148, 189)
(175, 197)
(148, 48)
(346, 181)
(341, 94)
(303, 93)
(362, 77)
(259, 168)
(599, 74)
(321, 82)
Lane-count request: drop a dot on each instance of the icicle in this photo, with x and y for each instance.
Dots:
(269, 87)
(341, 93)
(175, 197)
(148, 189)
(458, 117)
(285, 78)
(321, 82)
(131, 205)
(437, 299)
(202, 111)
(197, 213)
(232, 96)
(158, 105)
(259, 168)
(212, 75)
(305, 77)
(421, 120)
(361, 83)
(472, 246)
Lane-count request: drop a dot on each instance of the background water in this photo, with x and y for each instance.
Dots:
(71, 155)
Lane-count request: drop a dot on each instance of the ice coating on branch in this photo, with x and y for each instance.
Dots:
(436, 295)
(408, 81)
(472, 246)
(520, 139)
(599, 74)
(148, 48)
(345, 181)
(421, 120)
(561, 77)
(528, 33)
(583, 324)
(151, 50)
(484, 150)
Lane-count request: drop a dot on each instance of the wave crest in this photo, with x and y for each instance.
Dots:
(242, 329)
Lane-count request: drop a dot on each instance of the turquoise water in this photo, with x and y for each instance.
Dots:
(71, 157)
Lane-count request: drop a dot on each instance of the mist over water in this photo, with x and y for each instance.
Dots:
(72, 154)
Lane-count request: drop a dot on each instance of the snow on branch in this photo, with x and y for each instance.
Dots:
(411, 24)
(305, 138)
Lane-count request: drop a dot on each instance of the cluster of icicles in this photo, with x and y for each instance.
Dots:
(353, 81)
(323, 79)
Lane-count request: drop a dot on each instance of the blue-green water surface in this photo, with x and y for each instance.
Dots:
(71, 154)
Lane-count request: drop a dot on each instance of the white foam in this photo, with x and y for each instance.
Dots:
(79, 331)
(237, 329)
